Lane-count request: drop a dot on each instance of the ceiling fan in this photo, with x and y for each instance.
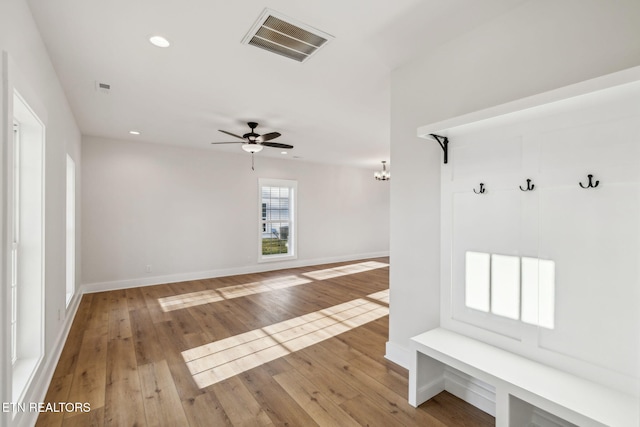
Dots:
(253, 142)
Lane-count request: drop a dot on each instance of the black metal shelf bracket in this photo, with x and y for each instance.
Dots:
(444, 143)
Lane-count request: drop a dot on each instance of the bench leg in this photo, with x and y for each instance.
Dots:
(502, 407)
(413, 379)
(426, 378)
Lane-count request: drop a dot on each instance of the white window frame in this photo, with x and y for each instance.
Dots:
(293, 219)
(15, 201)
(28, 207)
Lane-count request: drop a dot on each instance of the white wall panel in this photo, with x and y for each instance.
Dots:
(594, 237)
(564, 283)
(488, 154)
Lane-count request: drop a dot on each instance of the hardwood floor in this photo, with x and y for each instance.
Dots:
(295, 347)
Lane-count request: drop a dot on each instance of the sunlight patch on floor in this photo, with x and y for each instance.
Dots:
(382, 296)
(219, 360)
(344, 270)
(192, 299)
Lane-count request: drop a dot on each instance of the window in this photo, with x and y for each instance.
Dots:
(71, 228)
(26, 189)
(277, 232)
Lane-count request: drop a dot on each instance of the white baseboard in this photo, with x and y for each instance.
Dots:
(544, 419)
(38, 388)
(201, 275)
(471, 390)
(430, 389)
(397, 354)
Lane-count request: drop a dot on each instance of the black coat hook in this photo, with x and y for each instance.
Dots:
(482, 189)
(530, 186)
(590, 184)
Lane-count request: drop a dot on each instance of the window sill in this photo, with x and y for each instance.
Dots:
(273, 258)
(69, 298)
(23, 371)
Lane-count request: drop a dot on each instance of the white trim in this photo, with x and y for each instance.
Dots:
(471, 390)
(542, 418)
(222, 272)
(397, 354)
(430, 389)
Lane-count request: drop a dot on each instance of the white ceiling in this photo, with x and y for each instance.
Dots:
(333, 108)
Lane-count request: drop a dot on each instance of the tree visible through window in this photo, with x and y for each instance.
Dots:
(277, 201)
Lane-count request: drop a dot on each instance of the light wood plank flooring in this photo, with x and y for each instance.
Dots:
(314, 337)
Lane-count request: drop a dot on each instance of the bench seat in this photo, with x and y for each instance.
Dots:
(569, 397)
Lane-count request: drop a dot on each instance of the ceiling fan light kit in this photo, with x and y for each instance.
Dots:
(252, 148)
(253, 142)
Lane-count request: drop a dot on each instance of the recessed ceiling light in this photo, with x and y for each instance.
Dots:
(159, 41)
(134, 132)
(283, 152)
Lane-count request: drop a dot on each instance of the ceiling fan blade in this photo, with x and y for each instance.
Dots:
(232, 142)
(232, 134)
(268, 136)
(276, 145)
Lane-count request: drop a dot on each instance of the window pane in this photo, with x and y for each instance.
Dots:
(276, 240)
(275, 203)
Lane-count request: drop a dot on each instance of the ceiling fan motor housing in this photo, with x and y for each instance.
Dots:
(251, 136)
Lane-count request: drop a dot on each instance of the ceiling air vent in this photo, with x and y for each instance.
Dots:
(103, 87)
(284, 36)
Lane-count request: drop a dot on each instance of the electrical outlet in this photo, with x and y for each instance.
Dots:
(148, 268)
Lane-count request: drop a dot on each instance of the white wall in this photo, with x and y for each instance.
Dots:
(193, 213)
(32, 74)
(536, 47)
